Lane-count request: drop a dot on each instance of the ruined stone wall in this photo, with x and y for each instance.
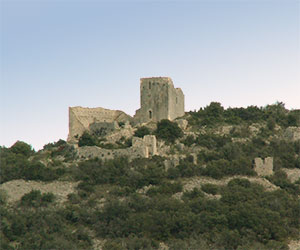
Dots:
(159, 100)
(141, 148)
(81, 118)
(263, 167)
(176, 103)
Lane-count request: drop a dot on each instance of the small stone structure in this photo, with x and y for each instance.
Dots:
(159, 100)
(143, 148)
(263, 167)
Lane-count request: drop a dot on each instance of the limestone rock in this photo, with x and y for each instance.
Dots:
(15, 189)
(292, 174)
(182, 123)
(292, 133)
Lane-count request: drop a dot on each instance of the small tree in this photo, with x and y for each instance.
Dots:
(21, 148)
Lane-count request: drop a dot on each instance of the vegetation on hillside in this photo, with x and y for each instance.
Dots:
(139, 204)
(214, 114)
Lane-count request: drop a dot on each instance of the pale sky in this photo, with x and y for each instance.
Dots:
(56, 54)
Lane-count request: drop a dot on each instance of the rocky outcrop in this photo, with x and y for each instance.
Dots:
(292, 174)
(17, 188)
(292, 133)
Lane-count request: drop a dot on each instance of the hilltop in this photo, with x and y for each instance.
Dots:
(211, 179)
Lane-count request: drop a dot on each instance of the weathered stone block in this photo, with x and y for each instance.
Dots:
(263, 167)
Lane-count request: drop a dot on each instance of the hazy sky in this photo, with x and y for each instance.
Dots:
(56, 54)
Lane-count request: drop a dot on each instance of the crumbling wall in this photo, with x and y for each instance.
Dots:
(263, 167)
(103, 128)
(176, 103)
(81, 118)
(141, 148)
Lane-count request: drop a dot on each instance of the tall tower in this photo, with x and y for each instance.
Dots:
(159, 100)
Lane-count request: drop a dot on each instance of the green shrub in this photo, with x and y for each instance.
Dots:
(168, 131)
(86, 139)
(194, 194)
(279, 178)
(165, 188)
(36, 199)
(142, 131)
(22, 148)
(210, 188)
(85, 186)
(189, 140)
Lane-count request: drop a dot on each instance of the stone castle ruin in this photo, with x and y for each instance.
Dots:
(159, 100)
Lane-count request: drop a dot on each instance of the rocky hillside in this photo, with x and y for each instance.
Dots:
(214, 179)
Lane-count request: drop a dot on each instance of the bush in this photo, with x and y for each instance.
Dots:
(165, 189)
(142, 131)
(38, 171)
(22, 148)
(168, 131)
(210, 188)
(87, 139)
(36, 199)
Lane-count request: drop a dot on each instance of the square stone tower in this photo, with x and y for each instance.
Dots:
(159, 100)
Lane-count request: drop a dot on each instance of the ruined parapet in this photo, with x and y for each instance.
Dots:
(150, 142)
(263, 167)
(139, 143)
(81, 118)
(159, 100)
(141, 148)
(292, 133)
(107, 154)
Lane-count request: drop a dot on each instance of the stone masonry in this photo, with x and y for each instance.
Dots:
(263, 167)
(81, 118)
(143, 148)
(159, 100)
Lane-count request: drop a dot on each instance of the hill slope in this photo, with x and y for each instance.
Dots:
(200, 192)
